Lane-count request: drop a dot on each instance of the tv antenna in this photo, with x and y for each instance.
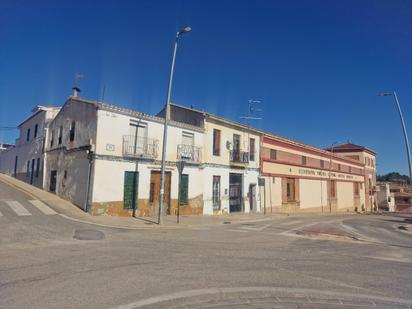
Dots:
(77, 78)
(253, 107)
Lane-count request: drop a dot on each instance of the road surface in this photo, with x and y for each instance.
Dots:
(48, 261)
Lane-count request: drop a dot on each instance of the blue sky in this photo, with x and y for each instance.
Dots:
(317, 66)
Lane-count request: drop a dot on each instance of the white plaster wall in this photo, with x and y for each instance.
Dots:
(312, 193)
(74, 187)
(250, 177)
(27, 150)
(273, 192)
(111, 128)
(109, 180)
(84, 114)
(345, 194)
(227, 135)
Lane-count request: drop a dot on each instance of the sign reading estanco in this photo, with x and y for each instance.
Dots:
(282, 169)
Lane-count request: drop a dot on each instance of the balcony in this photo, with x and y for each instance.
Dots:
(139, 146)
(239, 156)
(189, 153)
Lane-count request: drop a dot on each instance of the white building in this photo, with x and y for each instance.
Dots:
(385, 198)
(25, 160)
(106, 159)
(230, 161)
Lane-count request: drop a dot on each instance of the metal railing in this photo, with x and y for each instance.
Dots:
(239, 156)
(189, 153)
(139, 146)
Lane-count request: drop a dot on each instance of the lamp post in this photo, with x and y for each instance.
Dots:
(405, 134)
(167, 112)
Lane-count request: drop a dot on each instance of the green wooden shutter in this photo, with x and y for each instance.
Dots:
(129, 190)
(184, 189)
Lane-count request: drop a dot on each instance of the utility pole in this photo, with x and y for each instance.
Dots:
(167, 115)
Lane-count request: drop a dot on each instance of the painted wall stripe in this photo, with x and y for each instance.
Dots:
(43, 207)
(18, 208)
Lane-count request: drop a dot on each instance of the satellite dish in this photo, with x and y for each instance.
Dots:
(228, 145)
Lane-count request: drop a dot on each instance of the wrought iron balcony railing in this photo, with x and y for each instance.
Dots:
(139, 146)
(189, 153)
(239, 156)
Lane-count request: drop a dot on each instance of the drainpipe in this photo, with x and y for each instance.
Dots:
(90, 153)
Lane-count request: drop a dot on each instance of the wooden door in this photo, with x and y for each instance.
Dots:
(155, 190)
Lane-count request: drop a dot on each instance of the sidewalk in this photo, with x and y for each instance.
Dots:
(72, 212)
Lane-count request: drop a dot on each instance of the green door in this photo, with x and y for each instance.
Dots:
(131, 179)
(184, 189)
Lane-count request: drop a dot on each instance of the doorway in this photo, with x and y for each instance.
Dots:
(53, 178)
(131, 181)
(155, 177)
(252, 197)
(235, 192)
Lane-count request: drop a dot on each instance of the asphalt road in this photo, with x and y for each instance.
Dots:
(47, 261)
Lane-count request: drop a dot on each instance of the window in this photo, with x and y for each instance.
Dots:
(322, 164)
(28, 135)
(332, 189)
(304, 160)
(216, 142)
(356, 188)
(372, 163)
(273, 154)
(273, 179)
(37, 167)
(236, 143)
(52, 138)
(290, 190)
(339, 167)
(184, 189)
(35, 130)
(216, 192)
(188, 138)
(252, 149)
(361, 185)
(350, 169)
(72, 131)
(60, 135)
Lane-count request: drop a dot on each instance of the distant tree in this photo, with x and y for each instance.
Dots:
(393, 177)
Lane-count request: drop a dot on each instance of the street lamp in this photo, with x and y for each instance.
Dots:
(167, 115)
(405, 134)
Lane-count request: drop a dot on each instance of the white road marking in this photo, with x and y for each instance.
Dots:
(292, 222)
(255, 228)
(43, 207)
(18, 208)
(238, 231)
(1, 215)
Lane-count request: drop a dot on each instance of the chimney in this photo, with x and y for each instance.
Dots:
(76, 92)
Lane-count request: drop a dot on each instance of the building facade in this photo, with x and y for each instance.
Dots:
(366, 157)
(301, 178)
(231, 160)
(25, 160)
(107, 160)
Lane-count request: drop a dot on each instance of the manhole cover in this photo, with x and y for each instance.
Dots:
(88, 235)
